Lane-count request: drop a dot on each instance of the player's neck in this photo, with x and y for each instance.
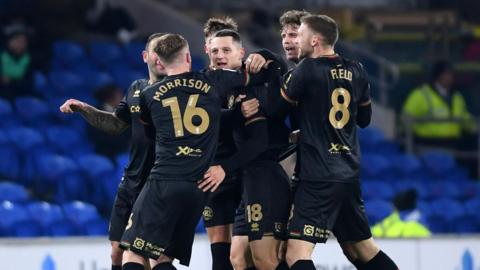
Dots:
(175, 70)
(320, 52)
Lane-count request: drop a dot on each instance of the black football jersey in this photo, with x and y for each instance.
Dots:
(185, 111)
(142, 149)
(328, 91)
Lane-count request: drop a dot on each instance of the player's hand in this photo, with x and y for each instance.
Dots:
(72, 105)
(254, 63)
(294, 136)
(212, 179)
(250, 107)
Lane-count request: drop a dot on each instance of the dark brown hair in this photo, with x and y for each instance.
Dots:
(214, 25)
(168, 47)
(152, 37)
(323, 25)
(292, 17)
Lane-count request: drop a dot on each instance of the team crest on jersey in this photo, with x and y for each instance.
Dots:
(207, 213)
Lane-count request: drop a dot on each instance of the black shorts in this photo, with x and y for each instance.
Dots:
(267, 200)
(221, 204)
(122, 207)
(240, 225)
(323, 207)
(164, 218)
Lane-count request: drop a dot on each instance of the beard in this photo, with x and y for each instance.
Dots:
(302, 53)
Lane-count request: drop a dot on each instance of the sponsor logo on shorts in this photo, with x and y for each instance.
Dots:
(207, 213)
(312, 231)
(308, 230)
(139, 243)
(153, 249)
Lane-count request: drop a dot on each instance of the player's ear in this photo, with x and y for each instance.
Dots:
(144, 56)
(242, 53)
(207, 50)
(189, 58)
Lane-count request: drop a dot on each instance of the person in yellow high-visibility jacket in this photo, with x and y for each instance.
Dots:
(438, 101)
(404, 221)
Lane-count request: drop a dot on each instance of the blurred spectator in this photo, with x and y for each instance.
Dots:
(405, 221)
(109, 18)
(442, 112)
(16, 62)
(109, 97)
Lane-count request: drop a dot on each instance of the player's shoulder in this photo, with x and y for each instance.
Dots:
(353, 64)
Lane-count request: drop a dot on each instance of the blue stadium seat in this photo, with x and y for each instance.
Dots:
(53, 171)
(11, 214)
(10, 157)
(96, 166)
(97, 169)
(124, 76)
(370, 138)
(31, 145)
(98, 79)
(105, 54)
(67, 53)
(465, 224)
(45, 213)
(51, 218)
(33, 111)
(27, 228)
(61, 229)
(67, 141)
(445, 189)
(65, 83)
(469, 189)
(375, 166)
(406, 165)
(40, 84)
(449, 210)
(378, 210)
(472, 207)
(13, 192)
(438, 163)
(7, 116)
(377, 190)
(97, 227)
(133, 52)
(80, 213)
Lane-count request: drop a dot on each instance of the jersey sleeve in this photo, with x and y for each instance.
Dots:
(294, 85)
(145, 115)
(122, 111)
(364, 90)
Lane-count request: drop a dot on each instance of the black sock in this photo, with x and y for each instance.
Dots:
(221, 256)
(304, 265)
(164, 266)
(380, 261)
(116, 267)
(133, 266)
(282, 266)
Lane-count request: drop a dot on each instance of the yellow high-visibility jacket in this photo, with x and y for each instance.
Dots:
(394, 227)
(425, 102)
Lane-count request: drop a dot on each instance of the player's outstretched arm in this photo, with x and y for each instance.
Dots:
(102, 120)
